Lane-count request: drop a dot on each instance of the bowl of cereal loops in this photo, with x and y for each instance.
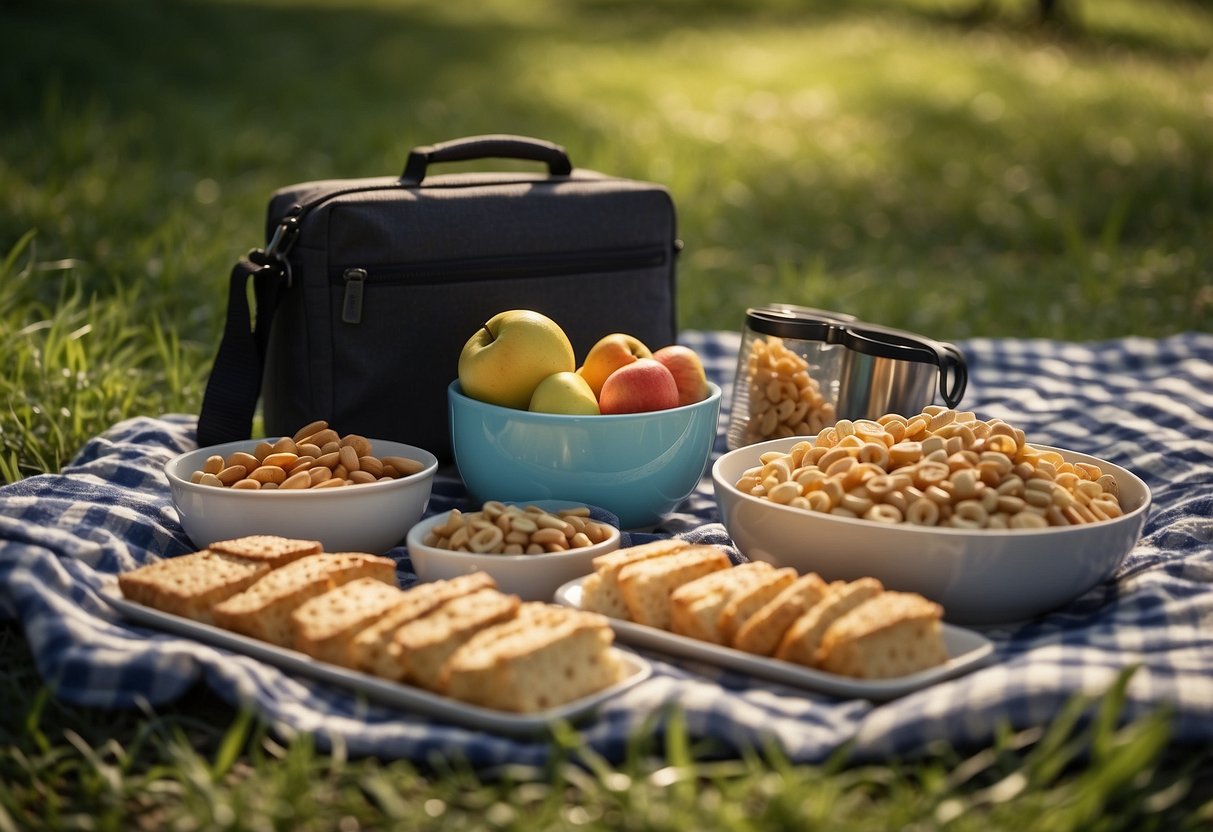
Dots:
(351, 493)
(530, 549)
(964, 511)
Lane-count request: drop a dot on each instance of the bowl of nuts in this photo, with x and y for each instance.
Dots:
(964, 511)
(530, 549)
(351, 493)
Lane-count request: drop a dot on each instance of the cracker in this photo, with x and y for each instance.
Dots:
(545, 657)
(893, 634)
(263, 610)
(646, 586)
(324, 627)
(761, 633)
(695, 606)
(190, 585)
(800, 643)
(601, 594)
(370, 648)
(424, 644)
(748, 600)
(272, 549)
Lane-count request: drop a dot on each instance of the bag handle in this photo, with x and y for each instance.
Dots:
(230, 399)
(496, 146)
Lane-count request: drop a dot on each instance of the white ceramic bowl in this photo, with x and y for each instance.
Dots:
(530, 577)
(980, 577)
(372, 517)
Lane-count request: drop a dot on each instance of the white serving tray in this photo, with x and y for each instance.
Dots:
(404, 697)
(967, 650)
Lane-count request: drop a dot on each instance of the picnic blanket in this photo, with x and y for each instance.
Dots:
(1143, 404)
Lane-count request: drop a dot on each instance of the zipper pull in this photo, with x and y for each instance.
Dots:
(351, 306)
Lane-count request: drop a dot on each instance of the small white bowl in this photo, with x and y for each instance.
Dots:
(530, 577)
(987, 576)
(370, 517)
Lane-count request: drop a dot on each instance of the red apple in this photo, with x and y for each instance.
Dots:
(684, 364)
(607, 355)
(639, 387)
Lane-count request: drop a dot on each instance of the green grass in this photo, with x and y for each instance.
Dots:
(915, 162)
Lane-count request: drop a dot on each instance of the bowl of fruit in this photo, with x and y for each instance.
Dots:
(629, 429)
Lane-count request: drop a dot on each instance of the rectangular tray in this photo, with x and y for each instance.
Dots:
(967, 650)
(404, 697)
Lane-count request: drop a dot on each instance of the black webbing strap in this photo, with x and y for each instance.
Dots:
(234, 386)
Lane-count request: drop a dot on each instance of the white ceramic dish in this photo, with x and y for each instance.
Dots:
(404, 697)
(967, 651)
(530, 577)
(980, 577)
(372, 517)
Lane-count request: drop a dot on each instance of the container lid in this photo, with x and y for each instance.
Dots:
(804, 323)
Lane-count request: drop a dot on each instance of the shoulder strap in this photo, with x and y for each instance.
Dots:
(234, 385)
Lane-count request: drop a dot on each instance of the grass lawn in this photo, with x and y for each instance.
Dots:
(949, 166)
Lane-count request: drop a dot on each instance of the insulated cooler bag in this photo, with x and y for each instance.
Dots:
(368, 289)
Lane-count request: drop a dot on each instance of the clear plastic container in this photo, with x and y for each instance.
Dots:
(800, 370)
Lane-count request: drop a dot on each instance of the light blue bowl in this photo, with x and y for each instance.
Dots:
(637, 466)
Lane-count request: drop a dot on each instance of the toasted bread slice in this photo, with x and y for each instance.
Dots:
(695, 606)
(646, 586)
(190, 585)
(893, 634)
(748, 600)
(545, 657)
(274, 550)
(370, 650)
(600, 591)
(802, 640)
(761, 633)
(423, 645)
(264, 609)
(324, 626)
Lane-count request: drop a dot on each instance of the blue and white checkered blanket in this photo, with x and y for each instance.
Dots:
(1143, 404)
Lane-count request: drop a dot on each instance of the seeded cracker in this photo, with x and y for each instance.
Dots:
(264, 609)
(325, 626)
(190, 585)
(274, 550)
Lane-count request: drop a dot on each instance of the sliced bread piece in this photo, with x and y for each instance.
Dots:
(264, 609)
(324, 626)
(600, 591)
(802, 640)
(646, 586)
(545, 657)
(695, 606)
(761, 633)
(272, 549)
(370, 649)
(748, 600)
(190, 585)
(893, 634)
(423, 645)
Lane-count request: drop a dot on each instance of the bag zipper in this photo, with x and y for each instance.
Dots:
(476, 269)
(287, 230)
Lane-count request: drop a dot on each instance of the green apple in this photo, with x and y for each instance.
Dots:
(565, 393)
(503, 362)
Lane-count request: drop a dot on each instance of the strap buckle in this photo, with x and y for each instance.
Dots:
(281, 244)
